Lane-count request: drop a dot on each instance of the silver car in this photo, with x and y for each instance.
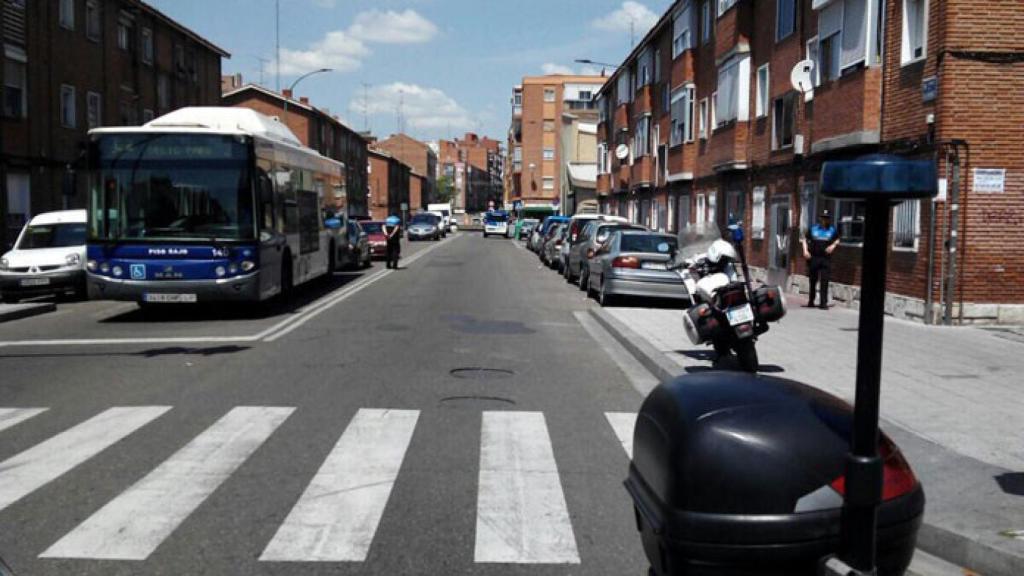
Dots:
(424, 226)
(550, 244)
(635, 263)
(593, 235)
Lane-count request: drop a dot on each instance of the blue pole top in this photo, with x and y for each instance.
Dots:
(880, 176)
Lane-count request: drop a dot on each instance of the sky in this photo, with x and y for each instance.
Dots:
(448, 65)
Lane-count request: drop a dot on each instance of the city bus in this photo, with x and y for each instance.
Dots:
(206, 205)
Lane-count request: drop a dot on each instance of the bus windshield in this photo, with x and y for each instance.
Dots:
(168, 186)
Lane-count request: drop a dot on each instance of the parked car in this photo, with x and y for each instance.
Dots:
(526, 226)
(425, 226)
(374, 230)
(441, 222)
(352, 247)
(551, 245)
(576, 224)
(541, 232)
(593, 235)
(635, 263)
(48, 257)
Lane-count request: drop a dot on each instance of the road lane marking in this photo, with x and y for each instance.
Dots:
(26, 472)
(131, 526)
(337, 516)
(12, 416)
(521, 512)
(623, 424)
(641, 378)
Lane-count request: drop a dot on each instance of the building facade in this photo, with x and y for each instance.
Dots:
(72, 65)
(318, 129)
(533, 160)
(702, 126)
(578, 172)
(418, 156)
(389, 181)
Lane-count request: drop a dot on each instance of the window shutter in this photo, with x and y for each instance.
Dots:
(855, 24)
(830, 20)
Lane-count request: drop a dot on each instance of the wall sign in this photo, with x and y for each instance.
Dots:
(989, 180)
(929, 89)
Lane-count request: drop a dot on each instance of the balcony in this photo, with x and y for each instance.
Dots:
(621, 117)
(847, 111)
(642, 102)
(517, 111)
(604, 184)
(623, 176)
(727, 149)
(642, 172)
(733, 30)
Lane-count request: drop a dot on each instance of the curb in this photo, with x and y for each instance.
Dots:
(17, 311)
(933, 539)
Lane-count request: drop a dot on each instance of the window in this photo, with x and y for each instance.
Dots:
(855, 32)
(733, 90)
(701, 211)
(681, 30)
(706, 22)
(67, 106)
(15, 97)
(850, 215)
(642, 143)
(124, 34)
(624, 88)
(724, 5)
(94, 109)
(666, 98)
(549, 94)
(757, 213)
(162, 92)
(128, 114)
(147, 46)
(785, 19)
(585, 96)
(66, 14)
(602, 158)
(517, 154)
(714, 112)
(92, 20)
(682, 114)
(549, 125)
(828, 54)
(784, 121)
(549, 153)
(644, 65)
(808, 204)
(915, 31)
(179, 59)
(704, 119)
(549, 183)
(843, 33)
(763, 95)
(812, 55)
(906, 225)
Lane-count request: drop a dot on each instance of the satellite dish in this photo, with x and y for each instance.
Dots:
(622, 152)
(801, 77)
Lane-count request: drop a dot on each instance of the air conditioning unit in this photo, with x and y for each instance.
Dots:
(798, 145)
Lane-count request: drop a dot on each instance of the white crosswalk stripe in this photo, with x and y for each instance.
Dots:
(12, 416)
(623, 423)
(24, 473)
(521, 512)
(132, 525)
(337, 516)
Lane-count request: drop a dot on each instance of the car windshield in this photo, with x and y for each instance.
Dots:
(53, 236)
(496, 218)
(655, 244)
(372, 227)
(424, 219)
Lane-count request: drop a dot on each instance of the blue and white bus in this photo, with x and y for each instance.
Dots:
(207, 204)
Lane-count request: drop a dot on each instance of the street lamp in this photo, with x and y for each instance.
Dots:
(291, 89)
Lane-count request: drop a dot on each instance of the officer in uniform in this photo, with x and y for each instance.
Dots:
(819, 243)
(393, 234)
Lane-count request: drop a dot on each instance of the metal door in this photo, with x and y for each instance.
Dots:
(779, 245)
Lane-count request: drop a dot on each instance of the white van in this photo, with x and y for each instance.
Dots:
(445, 210)
(47, 258)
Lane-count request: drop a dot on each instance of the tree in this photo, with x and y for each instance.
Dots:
(445, 189)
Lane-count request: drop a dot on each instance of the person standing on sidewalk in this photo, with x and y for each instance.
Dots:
(819, 243)
(393, 233)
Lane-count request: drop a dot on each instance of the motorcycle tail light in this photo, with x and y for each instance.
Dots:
(897, 477)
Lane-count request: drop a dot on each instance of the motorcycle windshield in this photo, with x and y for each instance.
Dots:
(694, 241)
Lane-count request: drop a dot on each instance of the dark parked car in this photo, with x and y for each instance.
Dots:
(635, 263)
(352, 249)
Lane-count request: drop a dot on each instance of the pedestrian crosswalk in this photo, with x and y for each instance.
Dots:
(521, 511)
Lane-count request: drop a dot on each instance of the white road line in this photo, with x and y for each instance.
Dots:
(338, 514)
(641, 378)
(521, 513)
(26, 472)
(12, 416)
(131, 526)
(623, 423)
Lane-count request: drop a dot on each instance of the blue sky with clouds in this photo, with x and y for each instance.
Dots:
(450, 64)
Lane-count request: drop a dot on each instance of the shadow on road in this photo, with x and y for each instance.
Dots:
(1012, 483)
(151, 353)
(302, 295)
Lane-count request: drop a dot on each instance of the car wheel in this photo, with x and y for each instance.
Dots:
(604, 298)
(582, 278)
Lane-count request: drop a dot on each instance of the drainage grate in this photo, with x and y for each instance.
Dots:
(477, 373)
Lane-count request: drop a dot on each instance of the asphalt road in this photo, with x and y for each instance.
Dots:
(327, 437)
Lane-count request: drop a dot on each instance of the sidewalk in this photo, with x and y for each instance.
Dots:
(952, 399)
(16, 311)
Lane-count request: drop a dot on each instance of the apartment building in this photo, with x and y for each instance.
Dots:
(702, 126)
(318, 129)
(389, 181)
(578, 173)
(418, 156)
(72, 65)
(534, 178)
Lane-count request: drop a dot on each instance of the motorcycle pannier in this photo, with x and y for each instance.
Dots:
(700, 323)
(770, 303)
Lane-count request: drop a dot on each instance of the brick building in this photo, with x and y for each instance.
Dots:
(71, 65)
(316, 128)
(389, 181)
(702, 125)
(533, 178)
(473, 165)
(416, 155)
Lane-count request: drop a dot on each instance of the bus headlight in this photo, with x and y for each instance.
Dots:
(117, 271)
(105, 268)
(91, 265)
(220, 271)
(232, 268)
(248, 266)
(73, 259)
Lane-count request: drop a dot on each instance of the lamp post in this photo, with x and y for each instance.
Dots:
(291, 89)
(605, 64)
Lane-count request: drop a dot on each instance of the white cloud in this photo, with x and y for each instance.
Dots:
(619, 20)
(392, 27)
(552, 68)
(422, 108)
(344, 50)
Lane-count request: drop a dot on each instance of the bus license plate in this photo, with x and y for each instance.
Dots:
(740, 315)
(654, 266)
(35, 282)
(170, 298)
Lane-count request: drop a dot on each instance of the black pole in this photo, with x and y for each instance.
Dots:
(863, 466)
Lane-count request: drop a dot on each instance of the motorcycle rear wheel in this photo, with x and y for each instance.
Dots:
(746, 354)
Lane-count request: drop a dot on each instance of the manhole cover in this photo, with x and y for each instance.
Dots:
(474, 373)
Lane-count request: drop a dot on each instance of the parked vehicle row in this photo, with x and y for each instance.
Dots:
(610, 258)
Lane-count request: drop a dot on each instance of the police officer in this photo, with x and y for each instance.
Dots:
(819, 243)
(393, 234)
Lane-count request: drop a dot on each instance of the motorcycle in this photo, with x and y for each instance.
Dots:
(726, 311)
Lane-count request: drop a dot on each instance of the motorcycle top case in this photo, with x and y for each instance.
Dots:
(733, 473)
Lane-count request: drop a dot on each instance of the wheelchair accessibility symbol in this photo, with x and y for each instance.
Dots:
(138, 271)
